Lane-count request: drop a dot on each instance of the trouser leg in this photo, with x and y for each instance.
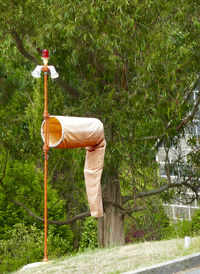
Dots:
(92, 172)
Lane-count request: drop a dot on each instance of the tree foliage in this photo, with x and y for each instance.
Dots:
(133, 64)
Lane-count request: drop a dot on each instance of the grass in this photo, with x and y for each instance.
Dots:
(118, 259)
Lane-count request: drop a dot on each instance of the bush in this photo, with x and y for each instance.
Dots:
(184, 228)
(148, 225)
(89, 238)
(196, 222)
(181, 228)
(23, 245)
(60, 241)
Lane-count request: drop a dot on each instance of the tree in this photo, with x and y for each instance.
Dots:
(133, 64)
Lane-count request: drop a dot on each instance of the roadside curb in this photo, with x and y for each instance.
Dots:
(170, 267)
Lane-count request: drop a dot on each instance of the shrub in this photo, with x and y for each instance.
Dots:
(148, 225)
(23, 245)
(89, 238)
(181, 228)
(60, 241)
(196, 222)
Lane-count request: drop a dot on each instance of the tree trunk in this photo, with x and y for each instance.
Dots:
(111, 225)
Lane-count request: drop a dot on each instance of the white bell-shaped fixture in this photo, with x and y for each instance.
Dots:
(53, 72)
(37, 72)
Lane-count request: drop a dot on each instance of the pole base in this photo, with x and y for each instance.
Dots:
(45, 260)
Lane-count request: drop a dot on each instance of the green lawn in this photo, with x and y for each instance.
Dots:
(118, 259)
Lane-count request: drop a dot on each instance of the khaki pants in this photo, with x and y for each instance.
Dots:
(74, 132)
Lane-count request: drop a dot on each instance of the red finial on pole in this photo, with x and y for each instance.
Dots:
(45, 53)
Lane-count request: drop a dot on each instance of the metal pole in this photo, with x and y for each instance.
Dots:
(45, 150)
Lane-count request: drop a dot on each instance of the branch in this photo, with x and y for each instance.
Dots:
(2, 184)
(187, 184)
(135, 209)
(65, 222)
(157, 190)
(162, 188)
(21, 48)
(122, 210)
(190, 117)
(26, 54)
(178, 128)
(5, 166)
(67, 87)
(114, 204)
(148, 193)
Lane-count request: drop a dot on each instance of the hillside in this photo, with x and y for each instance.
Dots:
(117, 259)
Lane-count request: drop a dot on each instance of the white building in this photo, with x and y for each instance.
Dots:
(174, 165)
